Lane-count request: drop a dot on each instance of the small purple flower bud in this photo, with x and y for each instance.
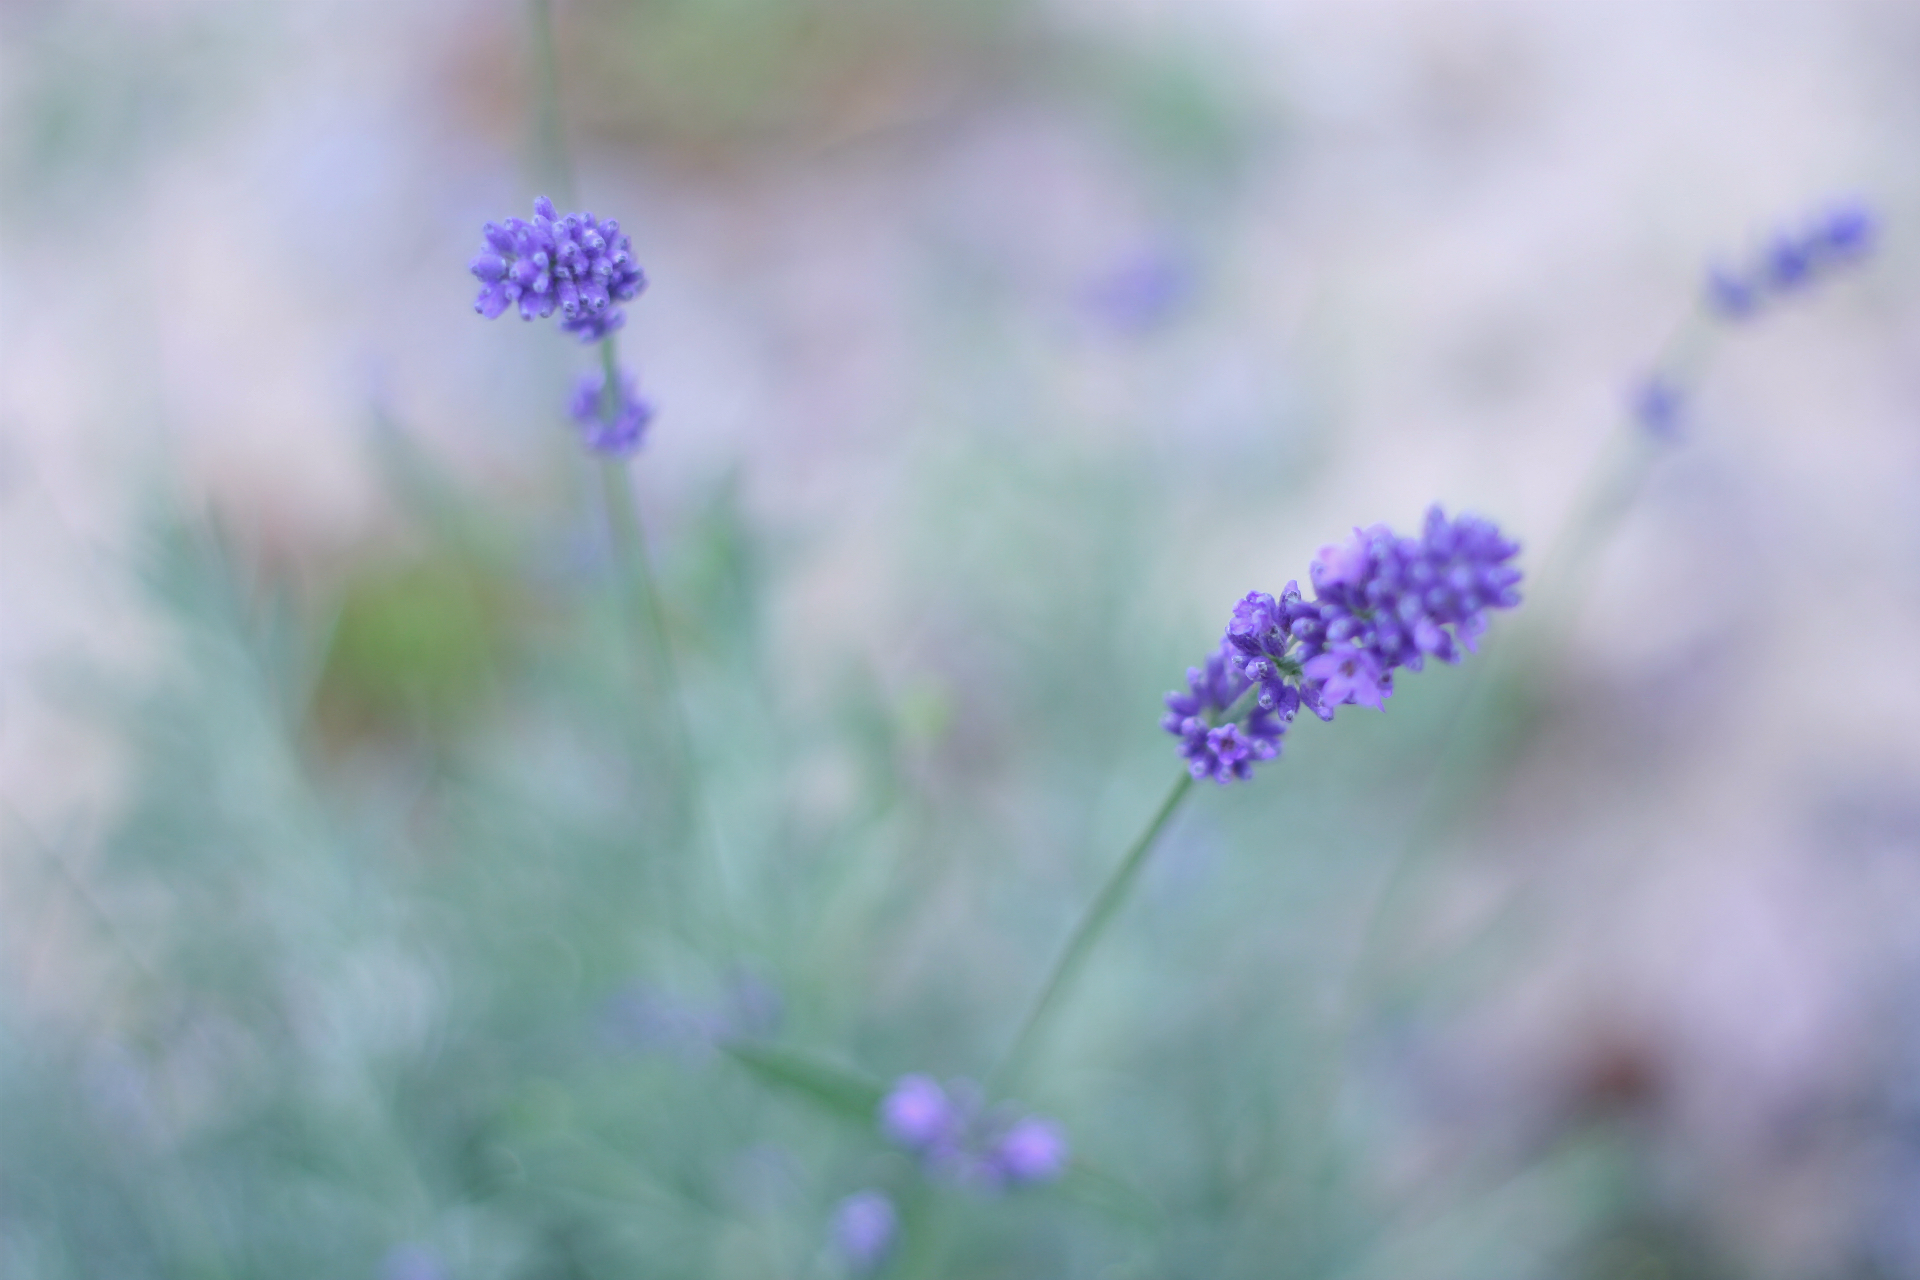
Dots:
(1789, 263)
(917, 1114)
(488, 267)
(544, 207)
(623, 431)
(492, 301)
(1729, 296)
(1033, 1150)
(1658, 406)
(864, 1227)
(1847, 232)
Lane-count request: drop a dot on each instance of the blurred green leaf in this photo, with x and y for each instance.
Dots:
(844, 1091)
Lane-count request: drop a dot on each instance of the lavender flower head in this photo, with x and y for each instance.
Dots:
(1033, 1150)
(622, 432)
(1792, 261)
(864, 1227)
(917, 1113)
(576, 265)
(958, 1141)
(1381, 602)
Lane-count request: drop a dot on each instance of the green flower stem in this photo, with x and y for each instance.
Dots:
(636, 576)
(552, 156)
(1106, 904)
(555, 161)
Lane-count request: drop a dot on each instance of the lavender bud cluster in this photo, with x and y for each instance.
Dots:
(1792, 261)
(618, 433)
(576, 265)
(958, 1140)
(1381, 602)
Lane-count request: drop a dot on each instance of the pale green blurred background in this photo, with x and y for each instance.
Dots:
(999, 347)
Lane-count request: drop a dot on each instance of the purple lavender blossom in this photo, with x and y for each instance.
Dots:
(1382, 602)
(961, 1143)
(622, 432)
(1229, 751)
(576, 265)
(864, 1227)
(1033, 1150)
(918, 1115)
(1793, 261)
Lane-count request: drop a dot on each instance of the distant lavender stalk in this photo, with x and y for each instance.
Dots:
(1791, 262)
(1382, 602)
(619, 431)
(958, 1140)
(577, 265)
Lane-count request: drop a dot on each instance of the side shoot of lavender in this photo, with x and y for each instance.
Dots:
(1790, 264)
(1382, 603)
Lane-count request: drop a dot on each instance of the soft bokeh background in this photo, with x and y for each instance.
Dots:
(353, 921)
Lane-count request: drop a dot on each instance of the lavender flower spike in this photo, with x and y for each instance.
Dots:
(623, 431)
(1381, 602)
(1793, 261)
(576, 265)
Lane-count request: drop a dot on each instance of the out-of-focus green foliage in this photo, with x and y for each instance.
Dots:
(466, 985)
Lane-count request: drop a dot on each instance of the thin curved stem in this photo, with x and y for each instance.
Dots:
(1100, 913)
(550, 138)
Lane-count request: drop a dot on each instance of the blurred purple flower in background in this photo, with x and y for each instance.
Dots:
(1142, 294)
(1658, 405)
(1033, 1150)
(623, 432)
(959, 1142)
(646, 1018)
(1793, 261)
(1789, 263)
(576, 265)
(918, 1115)
(864, 1226)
